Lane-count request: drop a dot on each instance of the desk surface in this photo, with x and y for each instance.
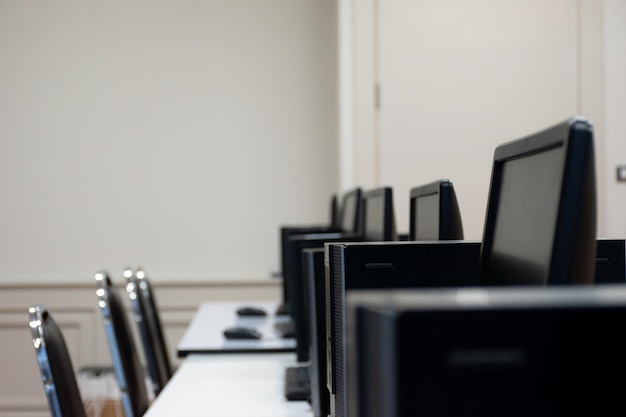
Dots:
(229, 385)
(205, 333)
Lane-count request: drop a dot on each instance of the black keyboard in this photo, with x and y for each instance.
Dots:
(297, 383)
(286, 328)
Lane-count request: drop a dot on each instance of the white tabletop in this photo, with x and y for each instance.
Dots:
(205, 333)
(250, 385)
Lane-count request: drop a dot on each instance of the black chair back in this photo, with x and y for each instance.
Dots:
(55, 365)
(147, 317)
(128, 369)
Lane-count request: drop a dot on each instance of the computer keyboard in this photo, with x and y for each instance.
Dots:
(287, 329)
(297, 383)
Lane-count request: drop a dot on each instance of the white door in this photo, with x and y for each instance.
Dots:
(457, 78)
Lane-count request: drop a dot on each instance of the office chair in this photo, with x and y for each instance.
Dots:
(147, 317)
(55, 365)
(128, 369)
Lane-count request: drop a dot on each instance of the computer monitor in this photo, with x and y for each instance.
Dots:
(334, 212)
(315, 299)
(294, 275)
(334, 226)
(350, 213)
(376, 208)
(434, 212)
(296, 245)
(285, 233)
(505, 352)
(378, 217)
(384, 265)
(348, 222)
(540, 226)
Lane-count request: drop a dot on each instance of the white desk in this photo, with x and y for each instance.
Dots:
(205, 333)
(229, 385)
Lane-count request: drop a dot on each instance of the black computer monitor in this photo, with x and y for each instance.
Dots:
(350, 212)
(434, 212)
(334, 226)
(540, 226)
(384, 265)
(378, 217)
(334, 211)
(315, 307)
(285, 233)
(375, 209)
(505, 352)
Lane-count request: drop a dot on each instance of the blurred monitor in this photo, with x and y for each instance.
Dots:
(378, 217)
(350, 212)
(434, 212)
(334, 212)
(490, 352)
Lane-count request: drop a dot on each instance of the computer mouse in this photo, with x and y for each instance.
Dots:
(251, 311)
(242, 333)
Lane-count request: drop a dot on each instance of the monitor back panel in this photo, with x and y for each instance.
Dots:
(315, 296)
(610, 261)
(528, 359)
(385, 265)
(295, 276)
(285, 233)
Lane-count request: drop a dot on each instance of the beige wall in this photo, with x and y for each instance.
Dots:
(129, 143)
(615, 115)
(459, 78)
(175, 135)
(178, 135)
(456, 79)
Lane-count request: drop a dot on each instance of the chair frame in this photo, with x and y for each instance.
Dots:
(38, 315)
(146, 316)
(36, 318)
(104, 285)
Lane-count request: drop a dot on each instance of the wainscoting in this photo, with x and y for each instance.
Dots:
(74, 308)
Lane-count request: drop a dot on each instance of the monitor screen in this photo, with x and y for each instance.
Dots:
(540, 225)
(350, 211)
(434, 212)
(426, 226)
(378, 222)
(529, 196)
(375, 218)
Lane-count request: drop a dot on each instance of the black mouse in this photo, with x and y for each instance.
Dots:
(241, 333)
(251, 311)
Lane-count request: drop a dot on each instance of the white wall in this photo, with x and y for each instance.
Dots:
(176, 135)
(458, 78)
(615, 110)
(128, 130)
